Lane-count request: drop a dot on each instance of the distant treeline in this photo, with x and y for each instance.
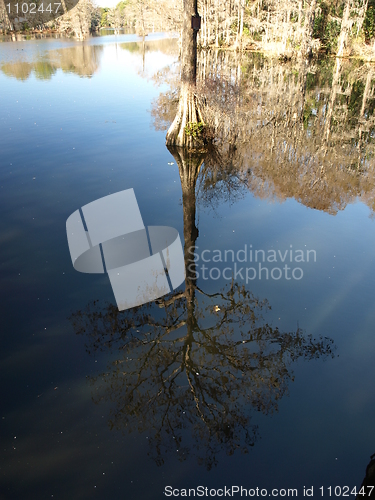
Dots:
(342, 27)
(284, 27)
(80, 21)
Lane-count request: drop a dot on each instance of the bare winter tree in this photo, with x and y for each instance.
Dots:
(189, 121)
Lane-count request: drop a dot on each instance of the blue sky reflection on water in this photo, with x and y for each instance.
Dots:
(73, 138)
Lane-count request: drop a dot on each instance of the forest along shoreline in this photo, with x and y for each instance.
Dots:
(286, 29)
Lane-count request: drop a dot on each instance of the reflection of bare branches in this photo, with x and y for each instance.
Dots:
(171, 379)
(192, 367)
(222, 177)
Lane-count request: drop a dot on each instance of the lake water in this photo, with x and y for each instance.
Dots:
(252, 378)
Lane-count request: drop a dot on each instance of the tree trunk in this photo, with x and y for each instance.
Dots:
(345, 27)
(229, 23)
(308, 29)
(241, 19)
(205, 23)
(182, 132)
(217, 24)
(4, 18)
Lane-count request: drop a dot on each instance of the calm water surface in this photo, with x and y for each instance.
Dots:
(268, 383)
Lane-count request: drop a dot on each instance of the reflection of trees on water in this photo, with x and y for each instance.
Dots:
(191, 369)
(83, 60)
(302, 130)
(20, 70)
(167, 46)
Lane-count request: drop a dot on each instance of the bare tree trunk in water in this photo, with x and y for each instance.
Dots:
(241, 19)
(299, 22)
(240, 14)
(182, 132)
(227, 41)
(205, 23)
(217, 25)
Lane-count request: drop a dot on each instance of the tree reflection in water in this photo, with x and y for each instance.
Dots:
(191, 368)
(82, 60)
(302, 130)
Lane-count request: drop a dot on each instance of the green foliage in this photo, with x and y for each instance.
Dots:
(294, 16)
(355, 102)
(134, 47)
(96, 19)
(320, 21)
(194, 130)
(257, 36)
(369, 22)
(311, 80)
(44, 70)
(331, 35)
(327, 29)
(121, 6)
(337, 9)
(309, 111)
(104, 17)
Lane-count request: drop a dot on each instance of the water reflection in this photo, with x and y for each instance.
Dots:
(166, 46)
(303, 130)
(21, 37)
(193, 368)
(20, 70)
(82, 60)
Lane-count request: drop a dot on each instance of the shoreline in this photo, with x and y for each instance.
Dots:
(290, 56)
